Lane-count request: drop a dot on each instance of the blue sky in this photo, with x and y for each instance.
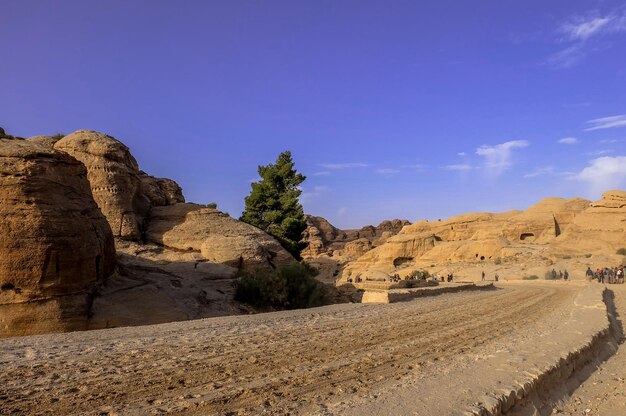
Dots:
(395, 109)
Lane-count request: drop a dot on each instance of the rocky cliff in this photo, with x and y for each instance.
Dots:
(68, 201)
(553, 228)
(56, 247)
(324, 239)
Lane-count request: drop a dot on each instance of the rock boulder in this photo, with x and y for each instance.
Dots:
(56, 247)
(217, 236)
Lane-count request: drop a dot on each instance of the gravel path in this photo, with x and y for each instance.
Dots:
(294, 362)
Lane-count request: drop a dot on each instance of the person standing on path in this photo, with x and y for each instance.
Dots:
(553, 274)
(483, 276)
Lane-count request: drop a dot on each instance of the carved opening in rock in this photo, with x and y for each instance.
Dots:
(482, 257)
(7, 286)
(401, 260)
(557, 227)
(437, 238)
(527, 237)
(51, 269)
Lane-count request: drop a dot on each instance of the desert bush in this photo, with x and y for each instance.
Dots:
(498, 260)
(621, 251)
(532, 277)
(288, 287)
(420, 274)
(566, 257)
(212, 205)
(588, 255)
(411, 283)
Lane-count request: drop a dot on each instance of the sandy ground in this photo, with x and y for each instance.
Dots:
(604, 392)
(294, 362)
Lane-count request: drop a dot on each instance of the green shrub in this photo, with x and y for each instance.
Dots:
(420, 274)
(288, 287)
(498, 261)
(212, 205)
(532, 277)
(621, 251)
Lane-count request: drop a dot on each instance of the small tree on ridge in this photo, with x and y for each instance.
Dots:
(273, 203)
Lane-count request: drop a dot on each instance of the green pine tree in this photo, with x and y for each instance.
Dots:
(273, 204)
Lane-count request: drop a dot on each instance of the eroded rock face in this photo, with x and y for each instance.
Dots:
(599, 228)
(325, 239)
(114, 177)
(55, 244)
(217, 236)
(476, 237)
(47, 141)
(161, 191)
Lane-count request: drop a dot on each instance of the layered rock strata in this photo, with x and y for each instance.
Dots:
(56, 247)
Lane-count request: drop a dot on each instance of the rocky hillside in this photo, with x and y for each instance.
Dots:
(69, 202)
(324, 239)
(552, 229)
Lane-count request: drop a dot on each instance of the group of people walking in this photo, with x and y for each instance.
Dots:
(611, 275)
(562, 275)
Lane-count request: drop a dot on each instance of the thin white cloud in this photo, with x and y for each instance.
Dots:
(566, 58)
(498, 158)
(342, 211)
(582, 28)
(569, 140)
(322, 173)
(339, 166)
(603, 174)
(313, 193)
(548, 170)
(579, 31)
(607, 122)
(418, 167)
(462, 154)
(387, 171)
(462, 167)
(599, 152)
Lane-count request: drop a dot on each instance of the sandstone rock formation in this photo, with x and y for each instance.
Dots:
(601, 227)
(177, 260)
(114, 177)
(160, 191)
(48, 141)
(56, 247)
(325, 239)
(482, 237)
(217, 236)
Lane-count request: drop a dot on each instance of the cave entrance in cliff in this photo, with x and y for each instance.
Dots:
(401, 261)
(437, 238)
(527, 237)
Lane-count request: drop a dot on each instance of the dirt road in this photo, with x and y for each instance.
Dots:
(604, 392)
(295, 362)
